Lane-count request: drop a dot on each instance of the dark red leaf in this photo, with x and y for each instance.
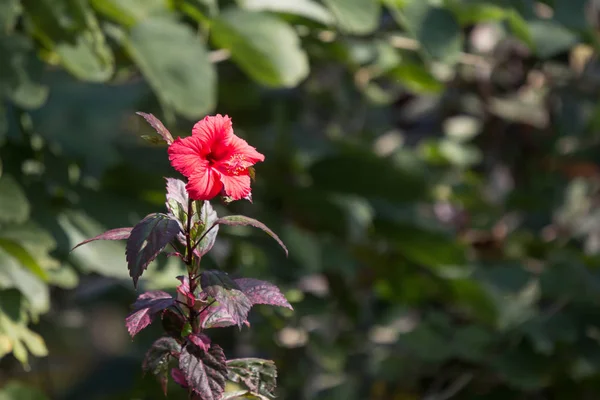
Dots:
(156, 360)
(172, 323)
(148, 238)
(158, 126)
(222, 288)
(200, 340)
(241, 220)
(260, 376)
(184, 291)
(261, 292)
(215, 316)
(113, 234)
(179, 378)
(145, 309)
(205, 371)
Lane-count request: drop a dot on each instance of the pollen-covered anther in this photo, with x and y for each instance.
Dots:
(237, 164)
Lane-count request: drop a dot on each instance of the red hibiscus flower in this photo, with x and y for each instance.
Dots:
(214, 159)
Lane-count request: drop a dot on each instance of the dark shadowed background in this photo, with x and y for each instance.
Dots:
(433, 167)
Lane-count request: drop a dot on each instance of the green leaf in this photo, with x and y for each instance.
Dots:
(241, 220)
(129, 12)
(519, 27)
(15, 337)
(13, 275)
(435, 28)
(20, 253)
(9, 12)
(550, 39)
(263, 46)
(259, 376)
(148, 238)
(20, 72)
(104, 257)
(175, 62)
(303, 8)
(14, 206)
(21, 391)
(70, 29)
(416, 78)
(357, 17)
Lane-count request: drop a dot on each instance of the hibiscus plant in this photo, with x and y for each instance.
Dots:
(216, 163)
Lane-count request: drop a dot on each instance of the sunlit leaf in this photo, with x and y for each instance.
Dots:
(225, 290)
(262, 45)
(175, 62)
(260, 376)
(358, 17)
(304, 8)
(261, 292)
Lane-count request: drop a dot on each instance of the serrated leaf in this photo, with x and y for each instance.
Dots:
(261, 292)
(204, 371)
(359, 17)
(222, 288)
(215, 316)
(260, 376)
(113, 234)
(14, 206)
(175, 62)
(158, 127)
(241, 220)
(303, 8)
(148, 238)
(22, 255)
(157, 358)
(206, 220)
(262, 45)
(145, 309)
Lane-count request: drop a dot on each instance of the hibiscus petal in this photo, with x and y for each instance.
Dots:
(205, 183)
(236, 186)
(214, 132)
(186, 154)
(241, 147)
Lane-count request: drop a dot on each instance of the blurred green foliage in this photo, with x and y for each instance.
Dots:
(432, 166)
